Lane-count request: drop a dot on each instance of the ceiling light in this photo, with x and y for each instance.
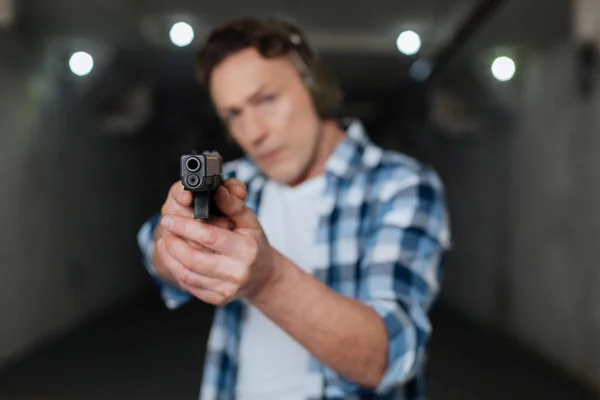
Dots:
(420, 70)
(181, 34)
(81, 63)
(408, 43)
(503, 69)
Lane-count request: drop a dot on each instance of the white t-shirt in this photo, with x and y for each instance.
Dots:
(272, 365)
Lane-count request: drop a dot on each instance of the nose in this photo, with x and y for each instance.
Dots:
(255, 128)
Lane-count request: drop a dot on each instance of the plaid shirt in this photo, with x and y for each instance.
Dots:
(382, 237)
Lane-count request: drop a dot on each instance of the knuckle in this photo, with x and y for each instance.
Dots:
(228, 293)
(240, 275)
(243, 276)
(185, 276)
(209, 236)
(225, 291)
(220, 301)
(164, 209)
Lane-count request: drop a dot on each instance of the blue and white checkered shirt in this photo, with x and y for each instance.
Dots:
(382, 236)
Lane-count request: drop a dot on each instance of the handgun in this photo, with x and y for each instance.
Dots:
(202, 174)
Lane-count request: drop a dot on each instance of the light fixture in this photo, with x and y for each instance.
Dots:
(408, 43)
(420, 70)
(81, 63)
(181, 34)
(503, 69)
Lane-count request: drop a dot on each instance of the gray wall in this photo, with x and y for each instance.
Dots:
(73, 198)
(70, 206)
(525, 205)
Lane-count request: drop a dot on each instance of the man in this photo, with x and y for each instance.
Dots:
(328, 260)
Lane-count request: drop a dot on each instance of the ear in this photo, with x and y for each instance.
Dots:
(326, 92)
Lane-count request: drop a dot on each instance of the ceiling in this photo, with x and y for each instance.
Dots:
(357, 26)
(356, 38)
(312, 14)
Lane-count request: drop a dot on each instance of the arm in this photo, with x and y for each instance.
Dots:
(341, 332)
(378, 341)
(374, 342)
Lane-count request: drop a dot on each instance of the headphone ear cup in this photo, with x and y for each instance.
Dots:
(324, 89)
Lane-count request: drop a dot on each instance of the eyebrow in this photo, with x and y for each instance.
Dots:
(256, 93)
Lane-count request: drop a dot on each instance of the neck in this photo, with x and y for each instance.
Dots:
(330, 137)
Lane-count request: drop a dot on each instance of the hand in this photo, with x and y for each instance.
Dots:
(179, 202)
(241, 261)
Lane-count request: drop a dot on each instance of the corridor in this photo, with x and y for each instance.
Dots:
(144, 352)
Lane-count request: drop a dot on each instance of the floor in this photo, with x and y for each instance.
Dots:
(143, 351)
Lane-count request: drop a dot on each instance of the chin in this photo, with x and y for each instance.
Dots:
(286, 174)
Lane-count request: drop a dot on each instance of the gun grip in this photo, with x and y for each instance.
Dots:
(204, 205)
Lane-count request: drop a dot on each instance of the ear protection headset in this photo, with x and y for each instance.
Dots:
(324, 88)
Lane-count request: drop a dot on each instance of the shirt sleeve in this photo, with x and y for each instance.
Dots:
(172, 296)
(401, 271)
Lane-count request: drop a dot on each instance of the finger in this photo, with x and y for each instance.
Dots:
(208, 296)
(175, 208)
(178, 194)
(198, 246)
(216, 286)
(211, 265)
(234, 207)
(237, 188)
(188, 257)
(222, 222)
(186, 278)
(162, 267)
(223, 241)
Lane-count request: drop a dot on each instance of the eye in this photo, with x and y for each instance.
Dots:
(267, 98)
(232, 115)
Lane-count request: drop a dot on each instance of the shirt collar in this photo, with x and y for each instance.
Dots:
(354, 152)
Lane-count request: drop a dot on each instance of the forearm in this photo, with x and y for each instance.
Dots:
(343, 333)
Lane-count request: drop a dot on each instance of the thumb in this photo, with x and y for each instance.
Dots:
(233, 206)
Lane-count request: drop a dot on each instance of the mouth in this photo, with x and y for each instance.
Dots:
(271, 155)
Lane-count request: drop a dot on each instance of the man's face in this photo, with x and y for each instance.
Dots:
(268, 111)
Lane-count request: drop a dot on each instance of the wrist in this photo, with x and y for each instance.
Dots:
(274, 278)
